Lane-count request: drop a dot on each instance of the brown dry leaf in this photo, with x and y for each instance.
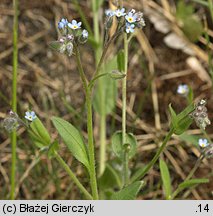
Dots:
(160, 23)
(174, 41)
(195, 65)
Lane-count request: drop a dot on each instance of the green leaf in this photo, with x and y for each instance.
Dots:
(37, 140)
(120, 60)
(184, 10)
(115, 74)
(98, 4)
(52, 149)
(190, 108)
(192, 182)
(165, 175)
(190, 96)
(193, 28)
(128, 193)
(117, 146)
(182, 121)
(106, 90)
(191, 24)
(73, 140)
(183, 125)
(202, 2)
(40, 131)
(109, 179)
(55, 45)
(138, 174)
(173, 115)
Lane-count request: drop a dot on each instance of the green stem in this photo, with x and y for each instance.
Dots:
(155, 158)
(197, 164)
(93, 181)
(14, 95)
(72, 176)
(98, 51)
(125, 157)
(206, 135)
(105, 49)
(95, 78)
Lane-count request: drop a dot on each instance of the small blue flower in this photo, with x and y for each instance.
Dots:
(120, 12)
(74, 25)
(30, 115)
(131, 17)
(62, 23)
(203, 143)
(183, 90)
(130, 28)
(85, 33)
(109, 13)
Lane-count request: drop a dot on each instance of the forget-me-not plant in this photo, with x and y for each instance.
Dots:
(203, 143)
(30, 115)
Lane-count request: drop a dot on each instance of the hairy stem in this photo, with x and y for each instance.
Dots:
(105, 49)
(14, 95)
(144, 171)
(88, 94)
(93, 180)
(197, 164)
(125, 156)
(73, 177)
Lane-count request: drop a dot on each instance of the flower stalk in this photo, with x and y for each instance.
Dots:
(14, 96)
(72, 176)
(124, 83)
(197, 164)
(88, 94)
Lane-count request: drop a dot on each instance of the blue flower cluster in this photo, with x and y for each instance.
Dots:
(12, 122)
(71, 32)
(131, 19)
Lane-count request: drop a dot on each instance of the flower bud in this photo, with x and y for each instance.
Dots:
(108, 22)
(69, 48)
(115, 74)
(62, 48)
(208, 151)
(83, 37)
(11, 123)
(200, 115)
(62, 40)
(70, 37)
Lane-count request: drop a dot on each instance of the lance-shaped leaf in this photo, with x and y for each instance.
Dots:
(165, 175)
(55, 45)
(39, 132)
(73, 140)
(128, 193)
(192, 182)
(182, 121)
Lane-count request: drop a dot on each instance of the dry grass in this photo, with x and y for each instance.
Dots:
(49, 83)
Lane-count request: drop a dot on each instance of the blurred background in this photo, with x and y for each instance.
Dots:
(174, 48)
